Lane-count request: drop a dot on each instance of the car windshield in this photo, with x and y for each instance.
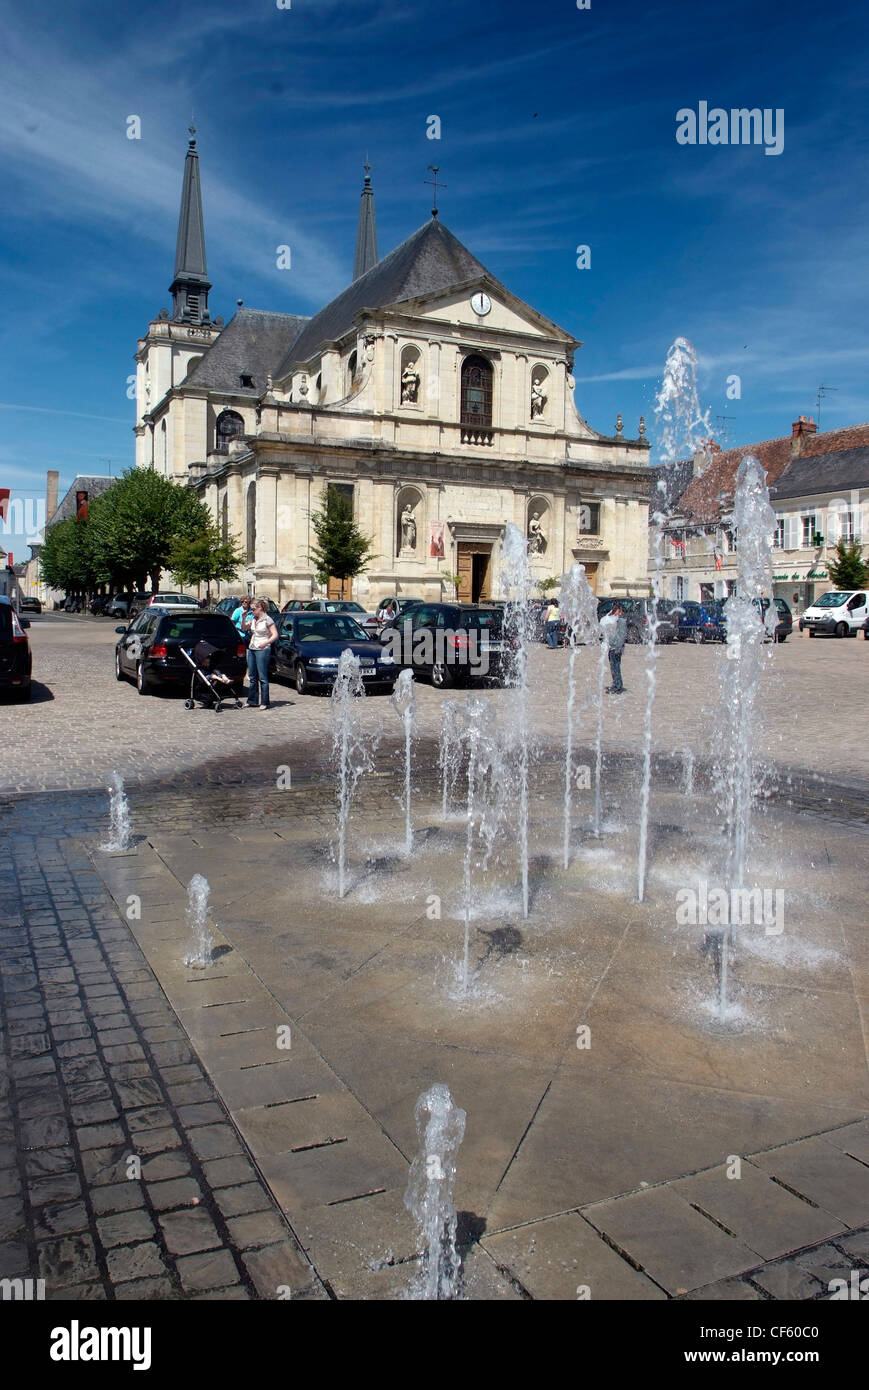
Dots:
(332, 627)
(488, 619)
(832, 600)
(184, 629)
(344, 606)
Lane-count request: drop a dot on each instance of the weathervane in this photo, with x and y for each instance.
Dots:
(435, 168)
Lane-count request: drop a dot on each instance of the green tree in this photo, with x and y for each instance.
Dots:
(137, 523)
(849, 570)
(66, 558)
(341, 550)
(448, 577)
(206, 558)
(547, 585)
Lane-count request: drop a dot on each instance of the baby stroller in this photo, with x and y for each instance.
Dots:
(208, 684)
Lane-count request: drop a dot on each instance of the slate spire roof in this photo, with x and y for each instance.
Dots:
(191, 285)
(430, 260)
(366, 236)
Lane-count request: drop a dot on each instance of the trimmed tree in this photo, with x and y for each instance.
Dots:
(137, 523)
(66, 557)
(341, 550)
(849, 570)
(547, 585)
(205, 559)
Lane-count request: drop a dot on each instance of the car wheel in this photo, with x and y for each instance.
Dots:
(119, 675)
(697, 635)
(783, 638)
(300, 677)
(841, 629)
(143, 685)
(634, 636)
(811, 632)
(441, 676)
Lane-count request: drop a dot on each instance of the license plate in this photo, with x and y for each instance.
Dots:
(367, 675)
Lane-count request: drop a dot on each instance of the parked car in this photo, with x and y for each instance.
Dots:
(466, 641)
(310, 644)
(390, 609)
(785, 622)
(172, 601)
(119, 605)
(837, 613)
(638, 615)
(16, 661)
(865, 630)
(149, 650)
(294, 605)
(368, 621)
(698, 622)
(29, 605)
(98, 605)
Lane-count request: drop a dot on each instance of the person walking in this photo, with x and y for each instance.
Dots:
(263, 635)
(553, 620)
(617, 635)
(241, 616)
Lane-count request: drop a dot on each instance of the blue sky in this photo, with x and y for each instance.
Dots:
(557, 129)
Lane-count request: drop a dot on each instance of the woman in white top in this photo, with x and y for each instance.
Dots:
(263, 635)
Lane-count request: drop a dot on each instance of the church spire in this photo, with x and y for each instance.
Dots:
(190, 287)
(366, 237)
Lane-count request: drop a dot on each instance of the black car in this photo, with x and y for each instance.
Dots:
(149, 651)
(309, 647)
(451, 643)
(15, 659)
(30, 605)
(638, 616)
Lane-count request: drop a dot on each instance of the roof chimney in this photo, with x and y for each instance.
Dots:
(52, 479)
(799, 430)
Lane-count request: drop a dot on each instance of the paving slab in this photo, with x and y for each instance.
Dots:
(565, 1256)
(676, 1246)
(823, 1174)
(757, 1210)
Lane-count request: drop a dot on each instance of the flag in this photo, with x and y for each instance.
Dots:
(436, 540)
(718, 560)
(4, 502)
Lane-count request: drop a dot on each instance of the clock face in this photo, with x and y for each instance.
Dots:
(481, 303)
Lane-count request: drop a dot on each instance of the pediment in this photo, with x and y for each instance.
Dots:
(508, 314)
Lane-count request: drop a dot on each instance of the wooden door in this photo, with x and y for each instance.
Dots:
(336, 587)
(465, 567)
(591, 576)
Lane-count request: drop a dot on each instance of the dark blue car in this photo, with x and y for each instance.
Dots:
(309, 647)
(700, 622)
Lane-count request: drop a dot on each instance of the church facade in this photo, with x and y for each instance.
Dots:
(438, 402)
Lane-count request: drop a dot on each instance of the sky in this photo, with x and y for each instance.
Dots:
(558, 129)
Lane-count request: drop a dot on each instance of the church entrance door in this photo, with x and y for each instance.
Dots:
(475, 568)
(591, 576)
(339, 588)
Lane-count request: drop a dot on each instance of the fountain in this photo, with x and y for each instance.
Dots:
(754, 523)
(404, 702)
(449, 751)
(578, 606)
(119, 817)
(682, 427)
(516, 579)
(200, 954)
(688, 771)
(352, 750)
(440, 1127)
(598, 738)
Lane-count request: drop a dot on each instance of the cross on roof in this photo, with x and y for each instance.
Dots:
(435, 168)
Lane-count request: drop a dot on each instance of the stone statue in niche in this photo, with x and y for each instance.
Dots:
(409, 384)
(408, 530)
(536, 537)
(538, 399)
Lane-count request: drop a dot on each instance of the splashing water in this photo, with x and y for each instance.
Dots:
(200, 953)
(404, 702)
(440, 1127)
(598, 738)
(516, 578)
(449, 751)
(681, 424)
(119, 816)
(579, 609)
(688, 771)
(352, 751)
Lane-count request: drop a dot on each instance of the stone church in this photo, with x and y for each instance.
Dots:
(438, 402)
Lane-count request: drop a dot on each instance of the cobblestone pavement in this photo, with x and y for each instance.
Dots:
(82, 724)
(120, 1175)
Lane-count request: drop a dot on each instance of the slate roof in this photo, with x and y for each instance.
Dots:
(431, 259)
(92, 484)
(254, 342)
(836, 472)
(706, 498)
(675, 477)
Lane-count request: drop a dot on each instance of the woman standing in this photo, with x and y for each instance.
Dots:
(263, 635)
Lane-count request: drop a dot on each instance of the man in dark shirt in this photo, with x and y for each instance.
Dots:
(617, 635)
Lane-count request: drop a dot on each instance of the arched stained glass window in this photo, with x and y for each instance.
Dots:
(476, 392)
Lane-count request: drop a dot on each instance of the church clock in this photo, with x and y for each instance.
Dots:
(480, 303)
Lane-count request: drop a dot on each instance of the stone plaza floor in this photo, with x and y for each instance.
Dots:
(159, 1139)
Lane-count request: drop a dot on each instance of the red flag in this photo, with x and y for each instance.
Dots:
(4, 502)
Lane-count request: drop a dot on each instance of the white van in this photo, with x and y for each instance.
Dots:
(838, 613)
